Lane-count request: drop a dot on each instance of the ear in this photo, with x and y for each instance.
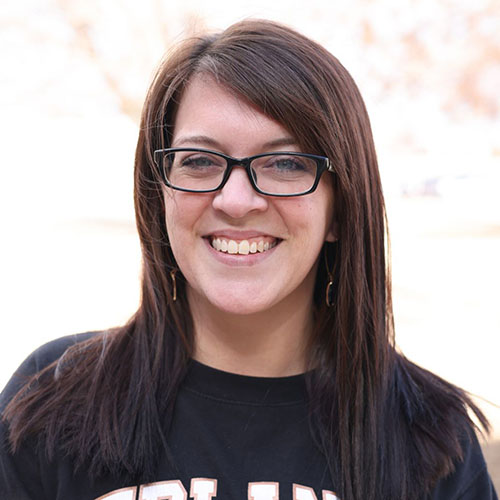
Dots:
(333, 233)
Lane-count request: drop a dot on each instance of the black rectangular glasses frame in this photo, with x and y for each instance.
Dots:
(322, 165)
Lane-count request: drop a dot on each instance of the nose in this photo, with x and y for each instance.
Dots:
(238, 198)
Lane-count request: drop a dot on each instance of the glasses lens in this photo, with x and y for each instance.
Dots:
(284, 174)
(194, 170)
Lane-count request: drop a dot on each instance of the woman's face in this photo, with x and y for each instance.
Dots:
(293, 228)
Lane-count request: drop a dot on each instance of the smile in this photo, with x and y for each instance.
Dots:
(243, 247)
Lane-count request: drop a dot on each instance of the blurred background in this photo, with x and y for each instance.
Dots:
(73, 77)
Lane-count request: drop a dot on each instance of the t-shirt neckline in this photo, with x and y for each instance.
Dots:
(233, 387)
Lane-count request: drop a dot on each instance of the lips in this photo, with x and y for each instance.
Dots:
(253, 245)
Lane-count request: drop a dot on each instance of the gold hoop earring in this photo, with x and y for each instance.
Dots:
(174, 284)
(329, 286)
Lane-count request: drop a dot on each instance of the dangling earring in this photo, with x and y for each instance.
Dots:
(174, 284)
(329, 286)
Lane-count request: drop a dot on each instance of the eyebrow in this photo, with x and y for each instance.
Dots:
(205, 140)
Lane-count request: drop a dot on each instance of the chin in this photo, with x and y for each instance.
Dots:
(239, 305)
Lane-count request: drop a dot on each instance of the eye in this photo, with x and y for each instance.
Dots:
(288, 163)
(200, 161)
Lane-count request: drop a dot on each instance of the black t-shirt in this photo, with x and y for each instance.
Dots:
(232, 437)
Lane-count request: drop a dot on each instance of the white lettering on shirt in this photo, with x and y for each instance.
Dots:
(164, 490)
(203, 489)
(263, 491)
(206, 489)
(329, 495)
(303, 493)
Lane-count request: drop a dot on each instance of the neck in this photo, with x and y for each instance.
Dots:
(270, 343)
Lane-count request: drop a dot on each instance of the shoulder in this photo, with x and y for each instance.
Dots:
(444, 449)
(470, 479)
(38, 360)
(20, 463)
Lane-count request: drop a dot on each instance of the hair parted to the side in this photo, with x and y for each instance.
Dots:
(389, 429)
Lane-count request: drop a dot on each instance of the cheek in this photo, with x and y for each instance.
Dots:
(308, 218)
(171, 217)
(179, 218)
(323, 211)
(183, 214)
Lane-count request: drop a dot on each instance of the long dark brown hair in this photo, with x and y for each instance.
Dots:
(388, 429)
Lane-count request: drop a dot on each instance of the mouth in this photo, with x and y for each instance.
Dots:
(243, 247)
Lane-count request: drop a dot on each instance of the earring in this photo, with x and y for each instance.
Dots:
(174, 284)
(329, 286)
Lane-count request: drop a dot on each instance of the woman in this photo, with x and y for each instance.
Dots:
(260, 363)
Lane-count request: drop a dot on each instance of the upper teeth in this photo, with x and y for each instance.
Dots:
(244, 247)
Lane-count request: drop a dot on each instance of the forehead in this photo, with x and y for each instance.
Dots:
(211, 111)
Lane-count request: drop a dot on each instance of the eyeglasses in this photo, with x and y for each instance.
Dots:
(274, 174)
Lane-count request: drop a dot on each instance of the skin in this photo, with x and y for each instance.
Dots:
(252, 313)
